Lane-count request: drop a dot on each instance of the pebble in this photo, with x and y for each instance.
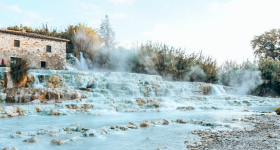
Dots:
(263, 135)
(59, 142)
(33, 139)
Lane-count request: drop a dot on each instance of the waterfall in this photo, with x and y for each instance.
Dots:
(218, 90)
(81, 64)
(37, 83)
(221, 88)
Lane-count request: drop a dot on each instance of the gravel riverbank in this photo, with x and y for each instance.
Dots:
(264, 135)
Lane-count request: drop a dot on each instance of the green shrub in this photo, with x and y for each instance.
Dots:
(270, 72)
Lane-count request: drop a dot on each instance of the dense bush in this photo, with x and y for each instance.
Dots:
(19, 70)
(157, 59)
(270, 72)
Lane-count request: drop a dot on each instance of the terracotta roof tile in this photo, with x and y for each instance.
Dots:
(33, 35)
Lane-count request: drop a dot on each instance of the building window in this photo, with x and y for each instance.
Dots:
(15, 60)
(17, 43)
(49, 48)
(43, 64)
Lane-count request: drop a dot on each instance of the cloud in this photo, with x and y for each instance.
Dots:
(120, 15)
(89, 5)
(122, 1)
(168, 5)
(1, 25)
(12, 7)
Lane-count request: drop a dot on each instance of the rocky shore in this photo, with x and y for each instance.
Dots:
(264, 135)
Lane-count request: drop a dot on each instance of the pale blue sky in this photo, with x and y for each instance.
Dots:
(222, 28)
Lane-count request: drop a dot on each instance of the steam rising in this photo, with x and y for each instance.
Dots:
(245, 77)
(197, 74)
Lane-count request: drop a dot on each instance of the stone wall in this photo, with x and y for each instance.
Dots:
(34, 49)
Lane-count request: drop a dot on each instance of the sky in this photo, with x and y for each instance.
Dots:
(220, 28)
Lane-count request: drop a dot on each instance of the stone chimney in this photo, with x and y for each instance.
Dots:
(23, 30)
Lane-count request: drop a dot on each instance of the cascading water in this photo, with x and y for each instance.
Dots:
(218, 90)
(81, 64)
(37, 83)
(120, 103)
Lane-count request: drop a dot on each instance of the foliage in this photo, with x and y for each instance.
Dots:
(150, 58)
(270, 72)
(107, 33)
(19, 70)
(267, 45)
(210, 68)
(85, 39)
(157, 59)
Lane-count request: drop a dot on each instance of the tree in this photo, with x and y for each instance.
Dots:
(107, 33)
(85, 39)
(267, 45)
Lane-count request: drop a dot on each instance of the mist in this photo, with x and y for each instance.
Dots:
(196, 75)
(245, 77)
(157, 59)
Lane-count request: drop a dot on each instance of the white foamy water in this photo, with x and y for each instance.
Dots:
(81, 64)
(218, 90)
(120, 98)
(37, 83)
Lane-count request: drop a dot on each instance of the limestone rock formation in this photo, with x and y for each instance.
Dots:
(59, 142)
(54, 112)
(141, 102)
(26, 81)
(165, 122)
(186, 108)
(86, 106)
(181, 120)
(33, 139)
(144, 125)
(72, 106)
(25, 95)
(11, 111)
(55, 82)
(207, 90)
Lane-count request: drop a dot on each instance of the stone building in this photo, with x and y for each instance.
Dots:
(41, 52)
